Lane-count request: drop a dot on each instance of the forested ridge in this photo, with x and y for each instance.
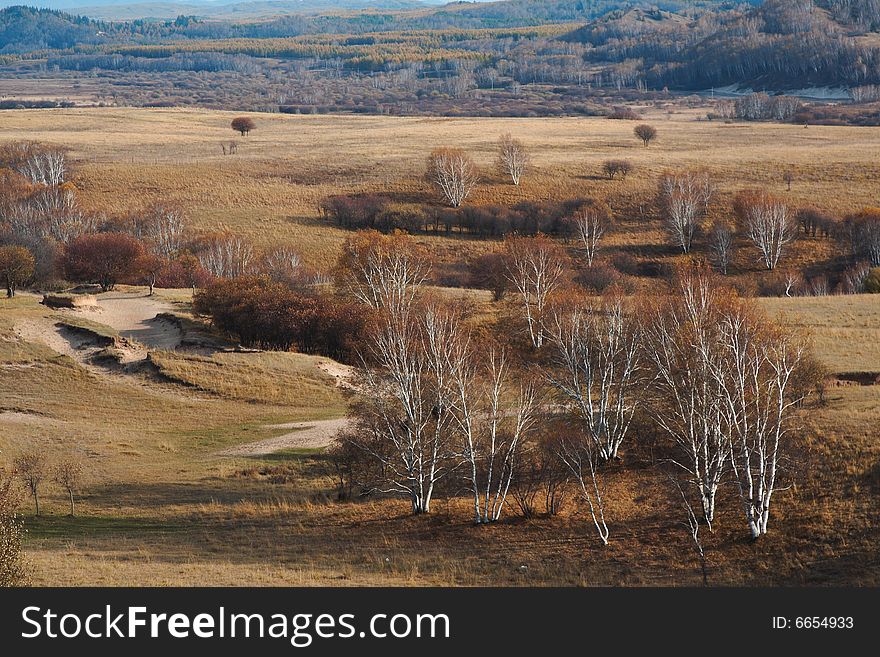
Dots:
(544, 58)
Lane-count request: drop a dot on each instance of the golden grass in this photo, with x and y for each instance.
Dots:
(271, 189)
(845, 330)
(160, 506)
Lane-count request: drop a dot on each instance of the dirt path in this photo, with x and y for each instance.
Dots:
(133, 315)
(311, 435)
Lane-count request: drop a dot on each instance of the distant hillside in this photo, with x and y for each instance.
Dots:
(117, 10)
(778, 45)
(24, 29)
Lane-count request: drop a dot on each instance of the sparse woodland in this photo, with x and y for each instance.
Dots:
(586, 355)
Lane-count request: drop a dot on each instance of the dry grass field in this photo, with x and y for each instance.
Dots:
(163, 505)
(272, 187)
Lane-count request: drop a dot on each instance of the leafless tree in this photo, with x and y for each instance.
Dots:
(166, 227)
(30, 467)
(768, 222)
(45, 166)
(599, 370)
(491, 430)
(454, 173)
(382, 271)
(721, 244)
(792, 281)
(226, 256)
(854, 278)
(579, 454)
(682, 344)
(68, 473)
(535, 267)
(612, 168)
(405, 421)
(761, 390)
(788, 178)
(683, 199)
(693, 527)
(513, 158)
(284, 265)
(593, 220)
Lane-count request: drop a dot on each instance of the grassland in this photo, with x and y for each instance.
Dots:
(272, 188)
(161, 504)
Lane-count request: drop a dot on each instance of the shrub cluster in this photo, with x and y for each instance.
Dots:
(270, 315)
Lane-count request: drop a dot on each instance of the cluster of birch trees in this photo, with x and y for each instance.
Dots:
(444, 400)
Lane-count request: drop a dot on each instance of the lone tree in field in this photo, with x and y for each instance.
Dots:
(243, 124)
(103, 258)
(16, 267)
(768, 222)
(454, 173)
(513, 158)
(31, 469)
(68, 474)
(647, 133)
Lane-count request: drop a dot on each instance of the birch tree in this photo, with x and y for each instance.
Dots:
(226, 256)
(453, 173)
(682, 345)
(579, 454)
(45, 166)
(599, 372)
(513, 158)
(166, 227)
(592, 221)
(768, 222)
(405, 421)
(761, 390)
(684, 199)
(535, 268)
(382, 271)
(721, 245)
(492, 430)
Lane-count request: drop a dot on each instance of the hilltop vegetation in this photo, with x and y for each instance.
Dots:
(505, 58)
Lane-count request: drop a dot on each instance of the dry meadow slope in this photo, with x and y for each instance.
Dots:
(164, 506)
(271, 189)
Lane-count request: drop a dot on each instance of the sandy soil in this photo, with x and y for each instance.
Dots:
(305, 435)
(133, 315)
